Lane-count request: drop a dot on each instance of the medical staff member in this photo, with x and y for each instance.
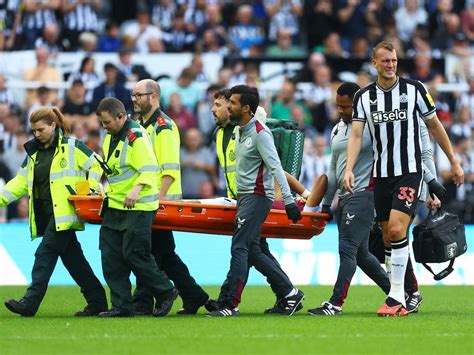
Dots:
(49, 173)
(128, 213)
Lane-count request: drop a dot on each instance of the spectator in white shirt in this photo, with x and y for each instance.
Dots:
(408, 17)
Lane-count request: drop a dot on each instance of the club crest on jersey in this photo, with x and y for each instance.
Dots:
(403, 98)
(248, 142)
(388, 116)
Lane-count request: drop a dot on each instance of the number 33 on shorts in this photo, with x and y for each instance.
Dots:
(407, 193)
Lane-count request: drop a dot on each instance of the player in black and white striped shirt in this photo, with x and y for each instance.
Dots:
(393, 107)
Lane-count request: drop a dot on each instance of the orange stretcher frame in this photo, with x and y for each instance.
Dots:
(212, 219)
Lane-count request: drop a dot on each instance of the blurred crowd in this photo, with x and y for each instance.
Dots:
(316, 32)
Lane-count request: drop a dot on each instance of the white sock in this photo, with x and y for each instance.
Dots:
(293, 292)
(388, 255)
(398, 266)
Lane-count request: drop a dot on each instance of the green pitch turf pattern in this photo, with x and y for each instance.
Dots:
(444, 325)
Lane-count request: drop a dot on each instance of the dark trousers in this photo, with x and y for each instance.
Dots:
(266, 250)
(163, 250)
(125, 245)
(355, 214)
(62, 245)
(252, 210)
(410, 282)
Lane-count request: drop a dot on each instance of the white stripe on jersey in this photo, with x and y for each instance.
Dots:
(411, 92)
(39, 19)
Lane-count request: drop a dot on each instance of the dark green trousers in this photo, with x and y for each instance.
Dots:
(163, 250)
(125, 243)
(62, 245)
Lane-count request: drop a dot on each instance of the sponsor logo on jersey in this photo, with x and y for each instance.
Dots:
(389, 116)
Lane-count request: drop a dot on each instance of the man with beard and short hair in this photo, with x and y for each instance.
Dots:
(225, 147)
(257, 165)
(355, 212)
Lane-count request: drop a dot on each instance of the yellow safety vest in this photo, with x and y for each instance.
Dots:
(132, 163)
(165, 140)
(73, 161)
(227, 161)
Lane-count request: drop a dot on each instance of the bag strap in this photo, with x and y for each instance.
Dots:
(442, 274)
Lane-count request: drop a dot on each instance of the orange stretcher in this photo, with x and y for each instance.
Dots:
(212, 219)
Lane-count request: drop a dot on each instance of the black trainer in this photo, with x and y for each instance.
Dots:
(89, 311)
(19, 307)
(116, 313)
(189, 309)
(165, 307)
(292, 302)
(326, 309)
(224, 312)
(413, 302)
(279, 307)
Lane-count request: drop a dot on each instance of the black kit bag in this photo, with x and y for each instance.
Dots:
(439, 238)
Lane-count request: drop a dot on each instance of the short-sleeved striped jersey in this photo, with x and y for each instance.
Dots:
(393, 116)
(82, 18)
(38, 19)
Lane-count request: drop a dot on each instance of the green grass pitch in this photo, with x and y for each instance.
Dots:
(444, 325)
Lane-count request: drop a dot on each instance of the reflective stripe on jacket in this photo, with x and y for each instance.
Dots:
(165, 140)
(73, 161)
(132, 163)
(227, 162)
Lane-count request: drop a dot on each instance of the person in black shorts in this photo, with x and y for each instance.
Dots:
(393, 108)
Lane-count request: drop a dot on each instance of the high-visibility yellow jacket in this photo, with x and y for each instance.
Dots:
(132, 163)
(227, 161)
(73, 161)
(164, 135)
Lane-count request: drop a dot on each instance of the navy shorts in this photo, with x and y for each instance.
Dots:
(398, 192)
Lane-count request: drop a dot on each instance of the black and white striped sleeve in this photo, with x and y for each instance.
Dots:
(358, 112)
(424, 101)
